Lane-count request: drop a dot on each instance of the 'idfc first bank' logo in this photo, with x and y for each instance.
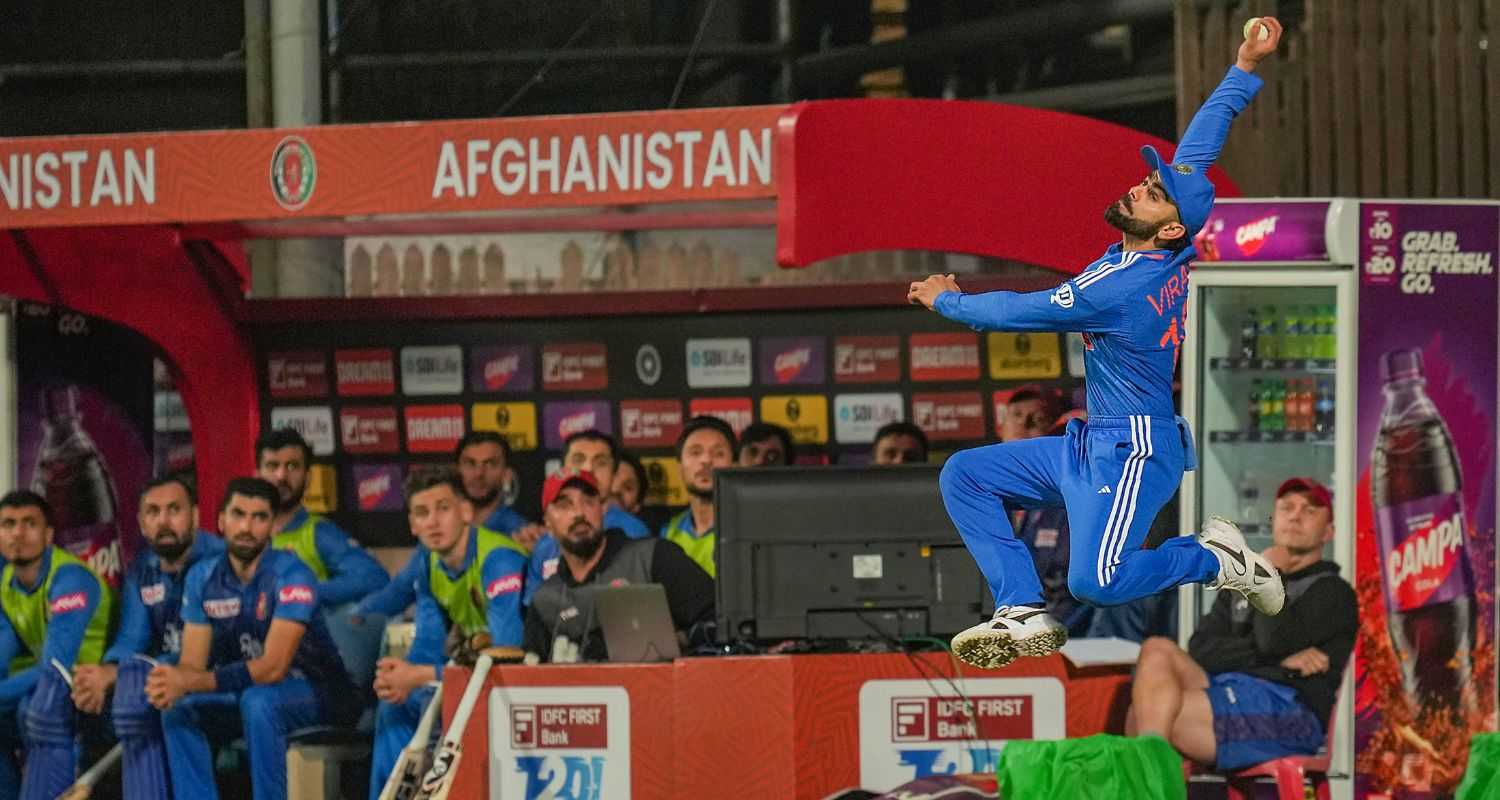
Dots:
(548, 742)
(294, 173)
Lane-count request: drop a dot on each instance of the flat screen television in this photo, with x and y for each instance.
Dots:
(841, 553)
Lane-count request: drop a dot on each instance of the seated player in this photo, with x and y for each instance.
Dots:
(56, 616)
(345, 572)
(257, 660)
(150, 631)
(471, 588)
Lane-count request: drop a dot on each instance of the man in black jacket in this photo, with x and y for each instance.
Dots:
(561, 626)
(1252, 688)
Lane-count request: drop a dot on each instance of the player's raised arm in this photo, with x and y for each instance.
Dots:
(1204, 137)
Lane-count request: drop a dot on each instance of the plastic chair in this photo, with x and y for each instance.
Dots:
(1291, 773)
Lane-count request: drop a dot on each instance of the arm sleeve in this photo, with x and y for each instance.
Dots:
(353, 573)
(505, 520)
(535, 636)
(1215, 646)
(546, 548)
(134, 635)
(192, 594)
(504, 576)
(1066, 308)
(1205, 135)
(73, 601)
(432, 627)
(690, 592)
(1326, 616)
(397, 595)
(13, 687)
(296, 595)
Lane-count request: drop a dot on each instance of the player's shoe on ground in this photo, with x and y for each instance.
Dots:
(1242, 569)
(1013, 631)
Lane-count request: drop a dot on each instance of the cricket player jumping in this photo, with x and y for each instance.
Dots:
(1114, 472)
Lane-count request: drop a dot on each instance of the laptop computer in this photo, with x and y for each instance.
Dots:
(636, 623)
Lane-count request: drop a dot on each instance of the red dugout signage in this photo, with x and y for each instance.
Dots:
(405, 168)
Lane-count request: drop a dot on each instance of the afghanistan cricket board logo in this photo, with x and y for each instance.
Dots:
(294, 173)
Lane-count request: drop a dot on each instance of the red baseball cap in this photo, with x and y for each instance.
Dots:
(558, 481)
(1316, 492)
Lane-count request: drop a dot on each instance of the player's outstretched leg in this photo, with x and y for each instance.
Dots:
(975, 484)
(1241, 569)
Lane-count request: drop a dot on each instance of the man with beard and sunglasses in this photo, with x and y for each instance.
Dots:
(345, 572)
(56, 615)
(257, 660)
(469, 589)
(561, 626)
(150, 631)
(1114, 472)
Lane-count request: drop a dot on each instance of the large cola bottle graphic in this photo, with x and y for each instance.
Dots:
(73, 477)
(1419, 520)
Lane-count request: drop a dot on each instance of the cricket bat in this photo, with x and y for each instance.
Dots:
(84, 786)
(406, 779)
(438, 781)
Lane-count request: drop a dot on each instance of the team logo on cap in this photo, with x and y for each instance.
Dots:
(294, 173)
(1183, 169)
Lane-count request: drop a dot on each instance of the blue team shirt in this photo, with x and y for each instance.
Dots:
(1130, 307)
(65, 628)
(352, 572)
(502, 575)
(401, 592)
(151, 604)
(546, 553)
(240, 614)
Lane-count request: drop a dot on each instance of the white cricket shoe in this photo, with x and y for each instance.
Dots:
(1014, 631)
(1242, 569)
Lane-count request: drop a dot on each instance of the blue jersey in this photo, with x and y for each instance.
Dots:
(505, 520)
(151, 613)
(544, 556)
(72, 598)
(501, 577)
(1130, 307)
(240, 614)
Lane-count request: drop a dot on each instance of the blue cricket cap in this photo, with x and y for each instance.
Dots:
(1187, 185)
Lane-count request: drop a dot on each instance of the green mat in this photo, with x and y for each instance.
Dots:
(1482, 778)
(1104, 767)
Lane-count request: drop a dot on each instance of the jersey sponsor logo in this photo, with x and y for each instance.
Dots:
(295, 594)
(505, 584)
(226, 608)
(153, 594)
(1063, 296)
(73, 601)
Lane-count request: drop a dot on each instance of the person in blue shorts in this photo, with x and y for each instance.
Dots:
(1252, 688)
(1113, 472)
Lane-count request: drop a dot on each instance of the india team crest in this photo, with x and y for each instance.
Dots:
(294, 173)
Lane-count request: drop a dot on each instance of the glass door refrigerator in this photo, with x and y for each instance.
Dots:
(1268, 381)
